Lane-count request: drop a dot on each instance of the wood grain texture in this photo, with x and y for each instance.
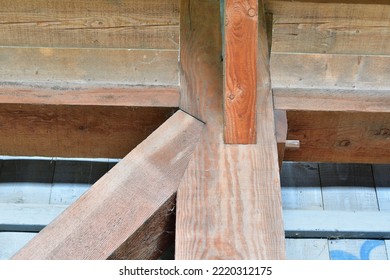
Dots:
(333, 28)
(76, 131)
(320, 99)
(241, 41)
(301, 186)
(229, 201)
(332, 72)
(267, 2)
(280, 117)
(127, 214)
(67, 193)
(144, 24)
(25, 192)
(79, 94)
(60, 66)
(343, 137)
(331, 82)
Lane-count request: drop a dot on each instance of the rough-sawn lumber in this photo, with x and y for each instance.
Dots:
(228, 204)
(129, 212)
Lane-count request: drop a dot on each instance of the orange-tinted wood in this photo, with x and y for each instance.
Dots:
(241, 37)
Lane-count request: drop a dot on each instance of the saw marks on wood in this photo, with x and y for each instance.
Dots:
(229, 201)
(145, 24)
(128, 212)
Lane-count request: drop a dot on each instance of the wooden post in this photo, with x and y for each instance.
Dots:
(229, 201)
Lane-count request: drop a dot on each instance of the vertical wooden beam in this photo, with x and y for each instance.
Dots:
(281, 133)
(241, 38)
(128, 213)
(229, 201)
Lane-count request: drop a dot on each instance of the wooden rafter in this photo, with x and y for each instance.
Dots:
(128, 213)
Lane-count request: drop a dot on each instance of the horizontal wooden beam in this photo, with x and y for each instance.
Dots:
(303, 99)
(89, 66)
(321, 82)
(146, 24)
(280, 117)
(333, 1)
(128, 213)
(332, 28)
(348, 137)
(330, 72)
(76, 131)
(336, 224)
(109, 95)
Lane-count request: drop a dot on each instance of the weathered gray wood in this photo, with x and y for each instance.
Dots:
(332, 72)
(304, 198)
(60, 66)
(332, 224)
(64, 193)
(356, 249)
(50, 93)
(27, 217)
(151, 24)
(348, 187)
(307, 249)
(382, 183)
(300, 174)
(301, 187)
(323, 99)
(11, 242)
(25, 192)
(350, 198)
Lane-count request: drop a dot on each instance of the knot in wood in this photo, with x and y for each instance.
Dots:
(344, 143)
(251, 12)
(231, 96)
(384, 132)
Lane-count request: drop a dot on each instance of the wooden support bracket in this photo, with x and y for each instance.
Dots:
(128, 213)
